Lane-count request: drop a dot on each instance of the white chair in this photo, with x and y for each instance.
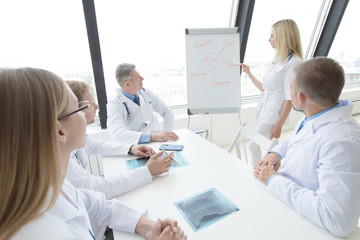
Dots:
(94, 165)
(265, 144)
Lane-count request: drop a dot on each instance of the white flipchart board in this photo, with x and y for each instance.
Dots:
(213, 71)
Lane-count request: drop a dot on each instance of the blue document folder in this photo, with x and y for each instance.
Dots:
(139, 162)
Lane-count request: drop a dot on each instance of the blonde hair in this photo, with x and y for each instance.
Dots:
(79, 88)
(31, 100)
(287, 39)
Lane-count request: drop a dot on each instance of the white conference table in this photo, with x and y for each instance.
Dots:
(261, 216)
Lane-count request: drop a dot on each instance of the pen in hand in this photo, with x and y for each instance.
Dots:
(173, 160)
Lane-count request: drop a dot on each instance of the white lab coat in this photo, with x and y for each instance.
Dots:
(111, 186)
(69, 217)
(127, 126)
(276, 85)
(320, 175)
(95, 146)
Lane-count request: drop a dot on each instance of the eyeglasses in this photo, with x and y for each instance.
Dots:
(85, 102)
(82, 106)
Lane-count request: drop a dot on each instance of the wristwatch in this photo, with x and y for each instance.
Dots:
(130, 150)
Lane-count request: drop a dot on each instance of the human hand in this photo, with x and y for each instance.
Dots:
(263, 173)
(166, 230)
(142, 151)
(168, 234)
(246, 68)
(275, 131)
(163, 136)
(159, 166)
(272, 160)
(171, 224)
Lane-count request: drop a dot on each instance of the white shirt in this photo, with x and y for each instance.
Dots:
(69, 217)
(276, 85)
(127, 120)
(320, 175)
(111, 186)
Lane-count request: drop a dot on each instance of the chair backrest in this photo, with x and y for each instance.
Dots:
(265, 143)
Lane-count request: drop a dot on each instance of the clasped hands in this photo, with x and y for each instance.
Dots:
(166, 229)
(267, 167)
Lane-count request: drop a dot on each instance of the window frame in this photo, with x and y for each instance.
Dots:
(241, 14)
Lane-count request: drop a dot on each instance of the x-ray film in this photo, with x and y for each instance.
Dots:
(139, 162)
(205, 208)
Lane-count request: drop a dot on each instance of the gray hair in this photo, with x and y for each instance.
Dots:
(123, 72)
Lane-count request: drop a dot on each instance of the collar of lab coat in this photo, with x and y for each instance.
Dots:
(343, 111)
(145, 107)
(311, 127)
(67, 210)
(122, 98)
(62, 206)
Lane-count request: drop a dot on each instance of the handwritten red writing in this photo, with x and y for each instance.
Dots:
(226, 44)
(211, 58)
(220, 83)
(204, 43)
(195, 75)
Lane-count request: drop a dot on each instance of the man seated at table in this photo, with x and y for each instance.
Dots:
(320, 175)
(131, 116)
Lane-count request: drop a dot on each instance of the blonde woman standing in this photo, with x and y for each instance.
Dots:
(275, 101)
(40, 125)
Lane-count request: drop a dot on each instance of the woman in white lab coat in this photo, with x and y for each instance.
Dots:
(111, 186)
(114, 185)
(135, 123)
(41, 124)
(275, 102)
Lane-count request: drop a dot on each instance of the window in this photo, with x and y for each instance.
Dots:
(151, 34)
(46, 34)
(345, 47)
(259, 53)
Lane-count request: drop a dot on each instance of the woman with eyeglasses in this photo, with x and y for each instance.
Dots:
(40, 126)
(114, 185)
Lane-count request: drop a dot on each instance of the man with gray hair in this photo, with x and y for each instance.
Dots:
(320, 176)
(131, 116)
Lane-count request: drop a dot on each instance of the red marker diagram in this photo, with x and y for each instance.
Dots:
(213, 70)
(213, 56)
